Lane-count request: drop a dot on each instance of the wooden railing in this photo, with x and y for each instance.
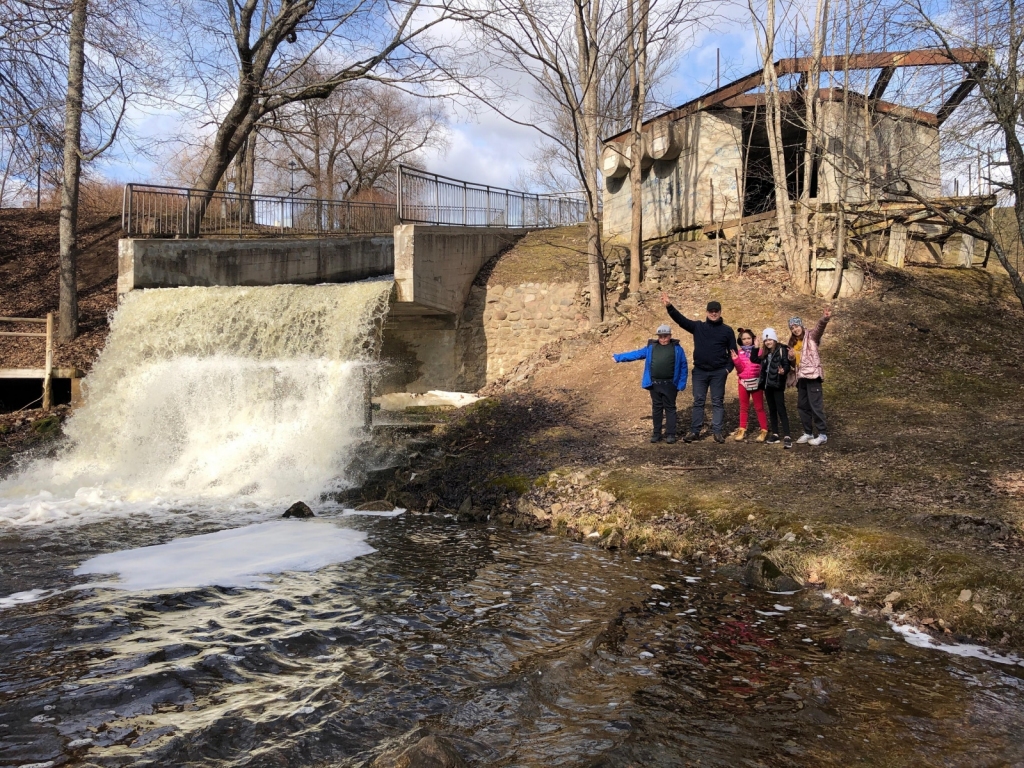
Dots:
(48, 367)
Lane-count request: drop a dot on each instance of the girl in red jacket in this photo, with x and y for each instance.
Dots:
(750, 373)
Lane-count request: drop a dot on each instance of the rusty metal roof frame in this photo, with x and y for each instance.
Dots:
(888, 62)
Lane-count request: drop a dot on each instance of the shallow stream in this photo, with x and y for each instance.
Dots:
(525, 649)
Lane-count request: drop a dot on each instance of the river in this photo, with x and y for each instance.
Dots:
(525, 649)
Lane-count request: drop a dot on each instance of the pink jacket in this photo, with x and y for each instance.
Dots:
(810, 358)
(744, 368)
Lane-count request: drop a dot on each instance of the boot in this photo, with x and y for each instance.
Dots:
(739, 434)
(763, 436)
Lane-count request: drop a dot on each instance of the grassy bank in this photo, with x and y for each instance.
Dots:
(916, 500)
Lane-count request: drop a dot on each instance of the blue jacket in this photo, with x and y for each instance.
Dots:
(644, 353)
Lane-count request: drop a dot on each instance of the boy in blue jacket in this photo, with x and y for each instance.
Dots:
(664, 377)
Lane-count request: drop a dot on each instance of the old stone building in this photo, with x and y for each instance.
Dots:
(707, 163)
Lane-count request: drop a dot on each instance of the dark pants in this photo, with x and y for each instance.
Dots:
(701, 382)
(663, 400)
(776, 399)
(811, 406)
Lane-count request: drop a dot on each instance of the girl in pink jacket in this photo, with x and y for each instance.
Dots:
(749, 372)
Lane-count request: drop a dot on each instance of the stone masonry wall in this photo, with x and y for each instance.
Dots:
(503, 325)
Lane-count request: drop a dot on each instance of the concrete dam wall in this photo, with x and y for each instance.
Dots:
(441, 332)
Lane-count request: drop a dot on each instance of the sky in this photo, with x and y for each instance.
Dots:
(483, 147)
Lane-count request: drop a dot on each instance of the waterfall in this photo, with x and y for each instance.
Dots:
(213, 397)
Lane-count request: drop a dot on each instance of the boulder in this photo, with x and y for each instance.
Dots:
(298, 509)
(761, 573)
(429, 752)
(375, 506)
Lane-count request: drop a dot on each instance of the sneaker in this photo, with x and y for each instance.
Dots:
(670, 439)
(819, 440)
(773, 440)
(787, 442)
(763, 436)
(690, 437)
(719, 437)
(804, 438)
(739, 434)
(656, 438)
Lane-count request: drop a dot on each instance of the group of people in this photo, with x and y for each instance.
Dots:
(765, 367)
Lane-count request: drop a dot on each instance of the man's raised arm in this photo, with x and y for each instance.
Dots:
(677, 317)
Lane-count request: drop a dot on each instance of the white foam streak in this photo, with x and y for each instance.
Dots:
(238, 557)
(237, 397)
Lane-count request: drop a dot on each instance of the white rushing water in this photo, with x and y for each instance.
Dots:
(237, 397)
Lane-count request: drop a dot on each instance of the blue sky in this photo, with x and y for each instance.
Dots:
(484, 147)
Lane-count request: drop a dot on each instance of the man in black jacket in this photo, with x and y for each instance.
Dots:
(713, 345)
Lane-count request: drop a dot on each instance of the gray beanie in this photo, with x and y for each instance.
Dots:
(796, 321)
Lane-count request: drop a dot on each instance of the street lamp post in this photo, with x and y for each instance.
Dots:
(291, 191)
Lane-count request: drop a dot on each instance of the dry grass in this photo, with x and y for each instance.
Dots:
(544, 256)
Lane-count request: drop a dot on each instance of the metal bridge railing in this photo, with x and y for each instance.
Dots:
(156, 211)
(427, 198)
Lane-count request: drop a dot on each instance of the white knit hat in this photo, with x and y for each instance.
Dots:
(769, 333)
(664, 329)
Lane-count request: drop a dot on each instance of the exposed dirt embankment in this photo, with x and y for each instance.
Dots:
(29, 277)
(915, 506)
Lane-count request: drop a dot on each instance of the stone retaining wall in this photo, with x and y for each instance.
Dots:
(503, 325)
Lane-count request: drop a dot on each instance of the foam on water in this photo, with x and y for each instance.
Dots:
(239, 557)
(235, 398)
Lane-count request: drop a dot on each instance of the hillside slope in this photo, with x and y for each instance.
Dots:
(29, 247)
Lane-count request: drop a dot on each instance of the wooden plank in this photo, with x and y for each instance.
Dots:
(23, 319)
(12, 333)
(39, 373)
(48, 366)
(897, 246)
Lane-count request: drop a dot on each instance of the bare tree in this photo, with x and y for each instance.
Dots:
(350, 143)
(638, 25)
(256, 57)
(68, 312)
(995, 26)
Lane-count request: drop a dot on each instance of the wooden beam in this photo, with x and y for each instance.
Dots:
(962, 92)
(884, 77)
(923, 57)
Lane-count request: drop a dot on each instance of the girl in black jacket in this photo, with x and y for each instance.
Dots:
(774, 361)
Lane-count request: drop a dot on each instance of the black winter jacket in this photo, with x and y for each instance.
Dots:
(712, 341)
(770, 362)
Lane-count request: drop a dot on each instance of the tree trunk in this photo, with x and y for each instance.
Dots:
(68, 327)
(796, 261)
(840, 246)
(637, 23)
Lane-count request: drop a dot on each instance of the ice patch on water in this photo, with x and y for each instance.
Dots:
(920, 639)
(237, 557)
(373, 512)
(28, 596)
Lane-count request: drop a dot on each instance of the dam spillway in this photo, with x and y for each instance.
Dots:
(201, 395)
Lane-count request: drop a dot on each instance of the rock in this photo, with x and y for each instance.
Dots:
(965, 596)
(556, 508)
(376, 506)
(606, 497)
(612, 541)
(978, 607)
(466, 506)
(892, 597)
(298, 509)
(429, 752)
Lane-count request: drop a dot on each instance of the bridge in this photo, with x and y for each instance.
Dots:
(433, 237)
